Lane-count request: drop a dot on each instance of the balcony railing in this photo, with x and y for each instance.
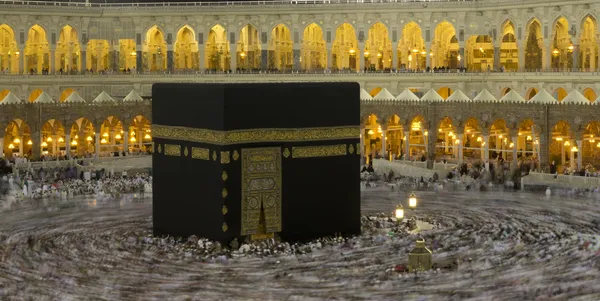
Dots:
(307, 73)
(274, 3)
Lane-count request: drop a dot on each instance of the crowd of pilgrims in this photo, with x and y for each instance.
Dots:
(65, 182)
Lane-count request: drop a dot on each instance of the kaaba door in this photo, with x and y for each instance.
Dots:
(261, 192)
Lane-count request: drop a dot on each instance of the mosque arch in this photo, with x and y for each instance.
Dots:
(534, 46)
(560, 94)
(560, 148)
(473, 143)
(155, 52)
(82, 135)
(588, 45)
(509, 49)
(127, 55)
(111, 135)
(9, 50)
(3, 94)
(500, 142)
(65, 94)
(98, 55)
(444, 92)
(67, 53)
(185, 50)
(345, 53)
(280, 54)
(378, 48)
(590, 147)
(375, 91)
(528, 138)
(17, 139)
(479, 53)
(504, 91)
(248, 52)
(37, 51)
(590, 94)
(446, 145)
(139, 135)
(411, 48)
(445, 47)
(217, 55)
(35, 94)
(562, 48)
(53, 138)
(313, 52)
(531, 92)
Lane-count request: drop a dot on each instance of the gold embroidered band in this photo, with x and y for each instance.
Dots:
(319, 151)
(172, 150)
(255, 135)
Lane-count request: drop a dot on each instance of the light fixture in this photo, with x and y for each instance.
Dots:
(567, 143)
(379, 54)
(423, 52)
(519, 134)
(17, 53)
(17, 141)
(559, 139)
(574, 149)
(366, 53)
(74, 142)
(133, 53)
(555, 51)
(481, 49)
(379, 129)
(351, 51)
(105, 135)
(132, 139)
(500, 136)
(412, 201)
(598, 145)
(370, 132)
(76, 136)
(571, 47)
(511, 145)
(459, 57)
(118, 136)
(431, 54)
(529, 138)
(242, 54)
(103, 141)
(457, 141)
(479, 139)
(29, 142)
(592, 141)
(49, 139)
(439, 130)
(147, 137)
(410, 58)
(399, 212)
(425, 133)
(61, 140)
(89, 138)
(44, 144)
(415, 50)
(11, 146)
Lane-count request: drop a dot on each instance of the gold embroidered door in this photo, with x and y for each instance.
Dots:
(261, 191)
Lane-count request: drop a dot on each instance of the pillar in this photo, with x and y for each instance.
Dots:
(427, 56)
(36, 148)
(571, 154)
(407, 145)
(361, 56)
(461, 142)
(201, 66)
(170, 67)
(579, 154)
(486, 148)
(461, 51)
(264, 56)
(115, 58)
(514, 140)
(547, 57)
(329, 55)
(126, 140)
(575, 57)
(55, 145)
(497, 65)
(139, 59)
(22, 68)
(395, 56)
(296, 59)
(97, 145)
(521, 55)
(68, 145)
(83, 56)
(543, 148)
(598, 62)
(140, 139)
(52, 60)
(2, 147)
(383, 141)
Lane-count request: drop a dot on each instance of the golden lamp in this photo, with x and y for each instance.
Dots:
(412, 201)
(89, 138)
(29, 142)
(399, 212)
(74, 142)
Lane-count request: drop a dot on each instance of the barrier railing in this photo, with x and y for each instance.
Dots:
(534, 178)
(73, 162)
(403, 168)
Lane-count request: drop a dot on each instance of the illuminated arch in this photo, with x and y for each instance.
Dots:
(560, 94)
(280, 54)
(140, 135)
(314, 49)
(67, 56)
(534, 45)
(9, 50)
(83, 137)
(509, 50)
(479, 53)
(345, 53)
(588, 46)
(248, 51)
(411, 48)
(217, 55)
(445, 46)
(531, 93)
(155, 50)
(378, 48)
(35, 94)
(590, 94)
(37, 51)
(185, 50)
(17, 139)
(562, 50)
(53, 138)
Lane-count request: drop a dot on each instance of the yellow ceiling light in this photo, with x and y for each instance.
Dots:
(242, 54)
(89, 138)
(351, 51)
(61, 140)
(29, 142)
(105, 135)
(49, 139)
(11, 146)
(147, 136)
(118, 136)
(367, 53)
(379, 55)
(370, 132)
(76, 136)
(17, 141)
(511, 145)
(44, 144)
(132, 139)
(74, 142)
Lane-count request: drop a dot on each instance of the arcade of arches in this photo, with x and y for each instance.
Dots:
(565, 48)
(396, 139)
(81, 139)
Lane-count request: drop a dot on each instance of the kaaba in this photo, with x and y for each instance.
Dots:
(256, 161)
